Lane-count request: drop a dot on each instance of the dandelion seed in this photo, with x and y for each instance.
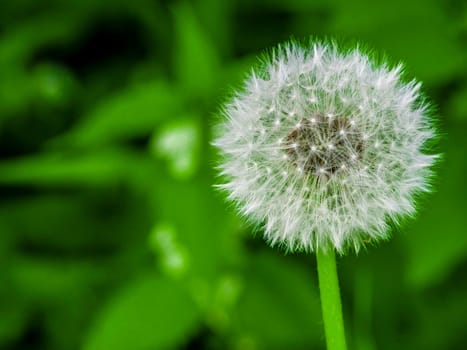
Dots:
(330, 175)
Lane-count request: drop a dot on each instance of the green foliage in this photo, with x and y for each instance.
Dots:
(272, 315)
(132, 112)
(111, 233)
(195, 59)
(424, 40)
(151, 313)
(458, 103)
(179, 143)
(434, 243)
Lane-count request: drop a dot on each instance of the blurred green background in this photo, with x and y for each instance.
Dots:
(111, 235)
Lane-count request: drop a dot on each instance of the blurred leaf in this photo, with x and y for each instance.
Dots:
(425, 40)
(195, 228)
(29, 275)
(151, 313)
(63, 290)
(17, 47)
(362, 335)
(279, 308)
(436, 241)
(16, 92)
(458, 104)
(235, 72)
(203, 225)
(13, 321)
(195, 59)
(173, 257)
(57, 23)
(54, 83)
(216, 16)
(300, 5)
(97, 222)
(223, 301)
(97, 168)
(179, 142)
(13, 307)
(377, 285)
(47, 84)
(441, 321)
(132, 112)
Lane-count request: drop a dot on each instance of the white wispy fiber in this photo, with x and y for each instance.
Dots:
(323, 147)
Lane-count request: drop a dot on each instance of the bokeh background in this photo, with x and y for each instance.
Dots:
(111, 234)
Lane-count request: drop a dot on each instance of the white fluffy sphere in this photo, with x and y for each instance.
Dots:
(324, 147)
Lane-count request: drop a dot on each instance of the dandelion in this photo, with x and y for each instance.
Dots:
(324, 148)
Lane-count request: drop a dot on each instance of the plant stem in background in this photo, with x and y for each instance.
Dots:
(330, 300)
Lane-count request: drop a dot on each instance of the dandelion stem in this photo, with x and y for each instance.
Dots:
(330, 300)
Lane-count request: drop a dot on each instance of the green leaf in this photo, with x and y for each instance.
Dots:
(279, 308)
(446, 312)
(62, 278)
(103, 167)
(41, 220)
(16, 91)
(215, 16)
(20, 43)
(13, 321)
(179, 143)
(195, 59)
(425, 41)
(151, 313)
(436, 241)
(173, 258)
(59, 25)
(203, 225)
(48, 85)
(458, 104)
(132, 112)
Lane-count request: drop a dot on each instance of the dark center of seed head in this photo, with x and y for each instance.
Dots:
(323, 145)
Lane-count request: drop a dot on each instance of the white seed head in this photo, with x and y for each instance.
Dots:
(335, 162)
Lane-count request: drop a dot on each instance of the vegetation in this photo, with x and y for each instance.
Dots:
(111, 233)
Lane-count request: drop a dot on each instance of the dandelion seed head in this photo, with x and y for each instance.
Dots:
(339, 146)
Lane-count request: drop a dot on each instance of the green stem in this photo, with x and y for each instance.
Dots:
(330, 300)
